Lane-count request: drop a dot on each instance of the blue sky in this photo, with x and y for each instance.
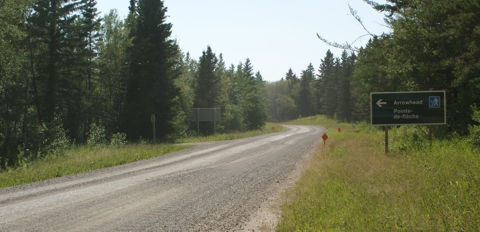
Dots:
(274, 35)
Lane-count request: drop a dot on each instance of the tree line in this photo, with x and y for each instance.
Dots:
(328, 93)
(69, 76)
(433, 45)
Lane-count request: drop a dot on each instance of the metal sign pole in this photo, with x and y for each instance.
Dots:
(152, 118)
(430, 137)
(386, 139)
(214, 121)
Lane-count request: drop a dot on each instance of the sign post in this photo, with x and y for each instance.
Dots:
(206, 115)
(324, 137)
(407, 108)
(152, 119)
(386, 139)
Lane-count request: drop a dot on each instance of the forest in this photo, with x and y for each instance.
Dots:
(71, 76)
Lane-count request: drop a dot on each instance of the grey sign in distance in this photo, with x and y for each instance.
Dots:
(408, 108)
(206, 114)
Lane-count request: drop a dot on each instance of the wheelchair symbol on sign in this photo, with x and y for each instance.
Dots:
(434, 102)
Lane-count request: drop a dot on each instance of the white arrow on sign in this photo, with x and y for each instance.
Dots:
(380, 103)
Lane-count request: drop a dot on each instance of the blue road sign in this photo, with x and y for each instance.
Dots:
(434, 102)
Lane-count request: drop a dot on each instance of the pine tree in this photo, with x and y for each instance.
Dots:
(223, 100)
(186, 84)
(248, 92)
(255, 115)
(57, 40)
(306, 102)
(291, 78)
(235, 117)
(435, 45)
(370, 75)
(151, 88)
(17, 116)
(208, 86)
(259, 106)
(91, 29)
(344, 110)
(207, 89)
(112, 70)
(328, 101)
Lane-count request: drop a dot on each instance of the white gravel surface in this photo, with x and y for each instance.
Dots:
(216, 186)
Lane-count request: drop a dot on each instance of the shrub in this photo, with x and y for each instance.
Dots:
(96, 135)
(475, 129)
(118, 139)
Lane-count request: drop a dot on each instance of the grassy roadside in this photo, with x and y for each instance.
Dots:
(86, 158)
(352, 185)
(82, 159)
(268, 128)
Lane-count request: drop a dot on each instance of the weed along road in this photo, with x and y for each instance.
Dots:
(216, 186)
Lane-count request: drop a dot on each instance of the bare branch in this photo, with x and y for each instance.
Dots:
(355, 15)
(360, 38)
(345, 46)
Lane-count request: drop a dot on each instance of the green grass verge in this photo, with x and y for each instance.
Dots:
(320, 120)
(352, 185)
(86, 158)
(268, 128)
(82, 159)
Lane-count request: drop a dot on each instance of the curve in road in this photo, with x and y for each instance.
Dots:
(215, 186)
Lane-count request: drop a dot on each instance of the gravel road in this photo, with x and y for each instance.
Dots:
(215, 186)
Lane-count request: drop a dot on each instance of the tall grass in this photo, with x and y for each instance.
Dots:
(352, 185)
(81, 159)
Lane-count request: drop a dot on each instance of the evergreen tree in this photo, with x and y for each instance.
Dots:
(113, 72)
(306, 104)
(224, 88)
(370, 75)
(328, 101)
(291, 78)
(207, 88)
(91, 30)
(50, 25)
(235, 117)
(58, 50)
(343, 111)
(186, 84)
(433, 46)
(254, 113)
(151, 88)
(259, 103)
(17, 116)
(249, 92)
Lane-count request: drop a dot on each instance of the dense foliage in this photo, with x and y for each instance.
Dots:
(433, 45)
(67, 74)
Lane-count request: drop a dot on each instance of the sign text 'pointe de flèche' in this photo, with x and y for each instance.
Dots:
(408, 108)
